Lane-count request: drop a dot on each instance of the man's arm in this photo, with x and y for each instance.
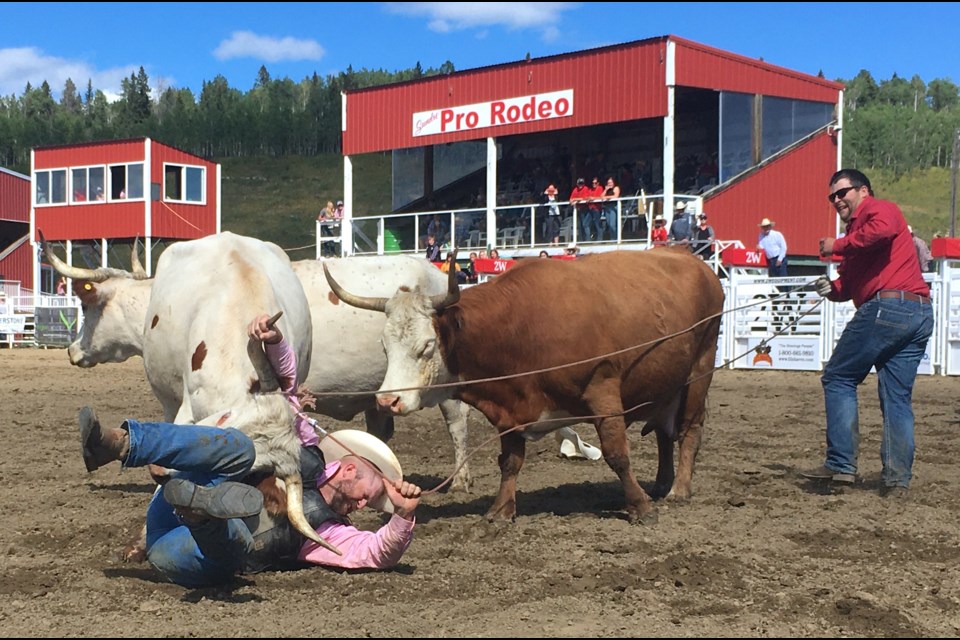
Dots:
(381, 549)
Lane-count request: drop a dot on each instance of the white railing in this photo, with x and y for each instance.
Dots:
(519, 229)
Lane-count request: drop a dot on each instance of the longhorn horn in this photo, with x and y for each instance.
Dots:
(135, 267)
(79, 273)
(443, 300)
(371, 304)
(294, 488)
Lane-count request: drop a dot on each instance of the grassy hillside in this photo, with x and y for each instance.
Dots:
(278, 199)
(924, 196)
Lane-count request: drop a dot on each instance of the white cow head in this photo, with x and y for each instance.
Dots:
(411, 343)
(114, 304)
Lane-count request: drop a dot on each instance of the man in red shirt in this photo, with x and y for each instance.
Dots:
(879, 271)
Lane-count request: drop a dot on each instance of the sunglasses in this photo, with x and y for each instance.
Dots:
(840, 193)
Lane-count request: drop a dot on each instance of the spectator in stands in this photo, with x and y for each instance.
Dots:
(609, 220)
(326, 218)
(595, 206)
(471, 270)
(445, 267)
(494, 254)
(703, 238)
(923, 251)
(579, 199)
(62, 286)
(326, 214)
(338, 212)
(100, 195)
(433, 249)
(659, 233)
(681, 230)
(544, 254)
(553, 214)
(436, 229)
(774, 246)
(572, 250)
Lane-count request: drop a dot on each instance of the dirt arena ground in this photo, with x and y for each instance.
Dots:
(757, 552)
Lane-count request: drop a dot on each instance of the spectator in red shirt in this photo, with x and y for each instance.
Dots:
(880, 272)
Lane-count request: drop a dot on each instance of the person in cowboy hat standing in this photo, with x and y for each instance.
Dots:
(774, 246)
(681, 229)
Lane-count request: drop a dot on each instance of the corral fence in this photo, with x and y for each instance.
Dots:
(776, 320)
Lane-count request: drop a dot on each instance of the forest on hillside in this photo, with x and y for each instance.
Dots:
(896, 124)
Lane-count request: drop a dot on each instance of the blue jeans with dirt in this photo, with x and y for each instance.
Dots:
(891, 335)
(210, 552)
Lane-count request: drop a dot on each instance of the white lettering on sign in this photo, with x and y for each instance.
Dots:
(499, 266)
(753, 257)
(542, 106)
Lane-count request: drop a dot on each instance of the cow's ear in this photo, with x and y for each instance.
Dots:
(86, 291)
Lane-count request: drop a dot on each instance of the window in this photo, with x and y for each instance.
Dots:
(51, 187)
(87, 183)
(126, 181)
(183, 183)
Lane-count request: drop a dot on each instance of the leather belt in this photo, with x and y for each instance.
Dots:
(902, 295)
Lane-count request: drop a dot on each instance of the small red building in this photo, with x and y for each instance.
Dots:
(94, 195)
(15, 261)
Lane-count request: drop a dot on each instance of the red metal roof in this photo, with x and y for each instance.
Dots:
(609, 84)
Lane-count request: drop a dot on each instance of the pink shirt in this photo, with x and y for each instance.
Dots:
(379, 549)
(876, 253)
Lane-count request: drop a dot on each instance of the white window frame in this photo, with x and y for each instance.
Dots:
(183, 181)
(50, 202)
(89, 200)
(126, 177)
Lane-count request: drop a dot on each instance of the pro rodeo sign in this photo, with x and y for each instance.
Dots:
(542, 106)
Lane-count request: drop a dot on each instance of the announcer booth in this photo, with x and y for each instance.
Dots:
(682, 122)
(94, 198)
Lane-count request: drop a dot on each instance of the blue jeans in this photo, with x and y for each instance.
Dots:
(610, 222)
(773, 270)
(891, 335)
(212, 551)
(586, 224)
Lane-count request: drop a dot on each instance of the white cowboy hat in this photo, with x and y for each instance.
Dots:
(766, 222)
(360, 443)
(572, 245)
(681, 206)
(659, 219)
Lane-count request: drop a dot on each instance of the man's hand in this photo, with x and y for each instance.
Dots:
(261, 331)
(404, 495)
(823, 286)
(826, 247)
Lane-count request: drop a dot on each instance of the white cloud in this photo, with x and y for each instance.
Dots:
(446, 17)
(29, 64)
(246, 44)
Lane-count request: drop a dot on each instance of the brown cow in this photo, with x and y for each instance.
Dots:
(545, 313)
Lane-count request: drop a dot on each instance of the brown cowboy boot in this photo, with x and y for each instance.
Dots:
(101, 447)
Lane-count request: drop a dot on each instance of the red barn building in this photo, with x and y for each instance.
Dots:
(665, 117)
(15, 260)
(92, 196)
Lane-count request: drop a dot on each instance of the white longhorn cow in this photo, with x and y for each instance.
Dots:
(198, 359)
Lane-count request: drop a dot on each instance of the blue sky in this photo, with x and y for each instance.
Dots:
(183, 44)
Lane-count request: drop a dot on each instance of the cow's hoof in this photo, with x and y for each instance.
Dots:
(678, 496)
(461, 485)
(647, 519)
(500, 515)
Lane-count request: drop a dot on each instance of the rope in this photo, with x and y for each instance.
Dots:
(180, 216)
(520, 427)
(464, 383)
